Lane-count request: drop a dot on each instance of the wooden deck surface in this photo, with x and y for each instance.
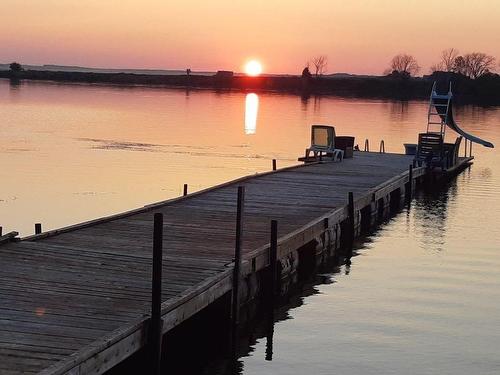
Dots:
(61, 294)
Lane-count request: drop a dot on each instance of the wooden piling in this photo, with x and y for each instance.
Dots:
(235, 305)
(185, 192)
(410, 183)
(0, 231)
(273, 259)
(274, 164)
(325, 236)
(272, 288)
(155, 333)
(367, 145)
(38, 228)
(351, 219)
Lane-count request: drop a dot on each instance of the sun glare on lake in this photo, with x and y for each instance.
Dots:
(253, 68)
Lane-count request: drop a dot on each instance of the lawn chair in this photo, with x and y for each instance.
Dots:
(430, 150)
(323, 141)
(451, 152)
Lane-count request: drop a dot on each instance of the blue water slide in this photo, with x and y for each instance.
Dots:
(443, 105)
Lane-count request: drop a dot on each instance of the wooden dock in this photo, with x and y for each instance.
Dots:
(77, 300)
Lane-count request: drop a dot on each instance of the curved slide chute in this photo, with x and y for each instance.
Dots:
(443, 106)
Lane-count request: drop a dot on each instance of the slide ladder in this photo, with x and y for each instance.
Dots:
(439, 108)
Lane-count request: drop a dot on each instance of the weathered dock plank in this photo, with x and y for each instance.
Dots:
(76, 300)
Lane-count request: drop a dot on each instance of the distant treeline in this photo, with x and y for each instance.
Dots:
(484, 90)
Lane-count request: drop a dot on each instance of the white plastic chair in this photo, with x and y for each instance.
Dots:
(323, 141)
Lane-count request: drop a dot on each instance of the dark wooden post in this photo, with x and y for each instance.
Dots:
(352, 221)
(0, 231)
(273, 283)
(410, 183)
(274, 164)
(273, 259)
(367, 145)
(38, 228)
(465, 153)
(235, 305)
(325, 226)
(156, 321)
(185, 192)
(470, 151)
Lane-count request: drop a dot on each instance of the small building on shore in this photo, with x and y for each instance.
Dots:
(224, 74)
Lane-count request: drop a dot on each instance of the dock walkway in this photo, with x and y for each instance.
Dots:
(76, 300)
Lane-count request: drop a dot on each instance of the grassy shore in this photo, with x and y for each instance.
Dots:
(484, 90)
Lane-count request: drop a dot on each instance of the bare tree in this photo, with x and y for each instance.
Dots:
(320, 63)
(404, 64)
(436, 67)
(448, 57)
(447, 63)
(460, 66)
(478, 64)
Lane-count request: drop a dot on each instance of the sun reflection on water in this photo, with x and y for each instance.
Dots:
(251, 112)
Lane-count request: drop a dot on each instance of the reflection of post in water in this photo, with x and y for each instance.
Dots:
(272, 288)
(251, 112)
(348, 263)
(14, 84)
(304, 99)
(317, 103)
(431, 215)
(269, 340)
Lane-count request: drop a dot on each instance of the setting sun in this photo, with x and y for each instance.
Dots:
(253, 68)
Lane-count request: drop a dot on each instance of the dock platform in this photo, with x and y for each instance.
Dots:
(77, 300)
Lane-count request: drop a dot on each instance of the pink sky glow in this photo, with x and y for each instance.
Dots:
(357, 36)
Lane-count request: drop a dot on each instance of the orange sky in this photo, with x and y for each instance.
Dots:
(357, 36)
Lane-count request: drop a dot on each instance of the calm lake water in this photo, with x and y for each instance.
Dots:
(421, 297)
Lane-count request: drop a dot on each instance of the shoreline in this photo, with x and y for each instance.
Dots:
(481, 91)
